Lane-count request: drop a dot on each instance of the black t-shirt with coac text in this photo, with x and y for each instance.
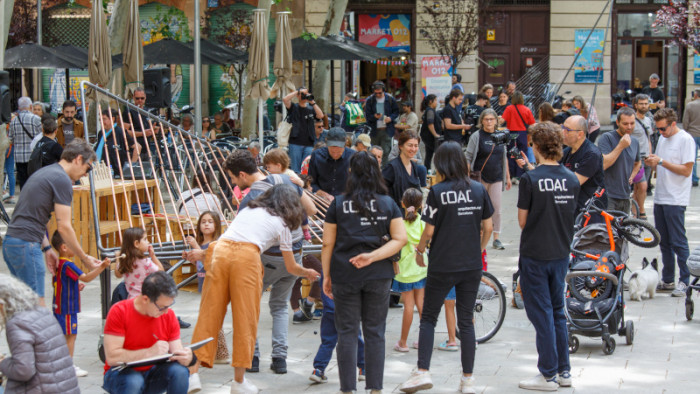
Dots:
(357, 234)
(588, 162)
(452, 113)
(549, 195)
(492, 163)
(456, 214)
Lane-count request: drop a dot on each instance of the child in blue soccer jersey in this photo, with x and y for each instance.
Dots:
(66, 292)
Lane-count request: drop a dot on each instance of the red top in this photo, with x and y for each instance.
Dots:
(140, 331)
(513, 120)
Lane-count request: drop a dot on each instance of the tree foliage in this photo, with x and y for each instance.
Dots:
(682, 21)
(453, 27)
(23, 26)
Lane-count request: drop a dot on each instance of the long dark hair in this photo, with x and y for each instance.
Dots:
(412, 198)
(426, 102)
(129, 236)
(451, 163)
(282, 201)
(365, 179)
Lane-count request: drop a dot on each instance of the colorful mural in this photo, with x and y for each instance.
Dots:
(388, 31)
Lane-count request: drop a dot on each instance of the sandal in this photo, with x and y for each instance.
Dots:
(449, 347)
(643, 216)
(398, 348)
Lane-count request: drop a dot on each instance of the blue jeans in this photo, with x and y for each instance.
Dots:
(695, 165)
(297, 154)
(364, 302)
(10, 171)
(670, 222)
(543, 285)
(26, 262)
(437, 287)
(171, 378)
(329, 337)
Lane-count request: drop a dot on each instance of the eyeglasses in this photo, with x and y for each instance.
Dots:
(662, 128)
(139, 98)
(568, 129)
(89, 167)
(489, 119)
(164, 308)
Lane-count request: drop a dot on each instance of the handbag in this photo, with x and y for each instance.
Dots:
(284, 129)
(354, 115)
(476, 175)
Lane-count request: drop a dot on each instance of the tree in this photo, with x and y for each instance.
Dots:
(23, 26)
(454, 27)
(682, 21)
(321, 81)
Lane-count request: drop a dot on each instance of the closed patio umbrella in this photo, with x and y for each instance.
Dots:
(132, 50)
(99, 56)
(258, 65)
(283, 59)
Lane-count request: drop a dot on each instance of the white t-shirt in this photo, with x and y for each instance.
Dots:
(257, 226)
(674, 189)
(641, 134)
(202, 201)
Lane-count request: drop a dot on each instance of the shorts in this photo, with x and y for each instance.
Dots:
(639, 178)
(399, 287)
(26, 262)
(68, 323)
(452, 295)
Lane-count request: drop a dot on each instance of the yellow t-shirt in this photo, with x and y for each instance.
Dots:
(409, 271)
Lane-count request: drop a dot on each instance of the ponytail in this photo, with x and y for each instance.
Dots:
(412, 201)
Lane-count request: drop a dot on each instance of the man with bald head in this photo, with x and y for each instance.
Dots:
(583, 158)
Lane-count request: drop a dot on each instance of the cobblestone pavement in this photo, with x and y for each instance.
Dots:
(660, 360)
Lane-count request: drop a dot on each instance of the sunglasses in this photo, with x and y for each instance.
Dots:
(164, 308)
(139, 98)
(662, 128)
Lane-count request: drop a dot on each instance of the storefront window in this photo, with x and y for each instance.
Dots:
(639, 25)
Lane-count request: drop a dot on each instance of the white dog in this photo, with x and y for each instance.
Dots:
(644, 280)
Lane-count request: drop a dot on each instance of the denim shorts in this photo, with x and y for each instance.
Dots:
(26, 262)
(452, 295)
(399, 287)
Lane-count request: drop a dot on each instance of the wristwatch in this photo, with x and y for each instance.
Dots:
(45, 249)
(661, 162)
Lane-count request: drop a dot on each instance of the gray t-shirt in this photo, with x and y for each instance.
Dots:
(380, 110)
(46, 187)
(68, 133)
(642, 129)
(617, 175)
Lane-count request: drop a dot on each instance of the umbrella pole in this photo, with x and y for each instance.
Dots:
(310, 76)
(260, 125)
(331, 112)
(68, 86)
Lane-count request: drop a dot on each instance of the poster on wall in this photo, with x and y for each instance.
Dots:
(57, 90)
(696, 68)
(387, 31)
(435, 76)
(589, 65)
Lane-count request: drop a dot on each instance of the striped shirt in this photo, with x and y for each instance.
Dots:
(20, 140)
(66, 290)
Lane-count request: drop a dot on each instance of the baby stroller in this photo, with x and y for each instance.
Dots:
(694, 268)
(595, 304)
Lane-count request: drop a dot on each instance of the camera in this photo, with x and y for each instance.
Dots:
(307, 96)
(500, 137)
(514, 153)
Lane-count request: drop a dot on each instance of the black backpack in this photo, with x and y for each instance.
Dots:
(36, 160)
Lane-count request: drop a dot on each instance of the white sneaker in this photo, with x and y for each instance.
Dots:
(539, 383)
(243, 388)
(680, 290)
(466, 385)
(419, 380)
(79, 372)
(195, 385)
(565, 379)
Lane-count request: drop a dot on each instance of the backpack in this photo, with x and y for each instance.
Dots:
(36, 160)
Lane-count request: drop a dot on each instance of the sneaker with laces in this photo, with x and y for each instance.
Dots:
(318, 314)
(306, 307)
(361, 375)
(195, 385)
(466, 385)
(318, 376)
(565, 379)
(243, 388)
(79, 372)
(540, 383)
(255, 367)
(680, 290)
(664, 286)
(279, 365)
(300, 317)
(419, 380)
(498, 245)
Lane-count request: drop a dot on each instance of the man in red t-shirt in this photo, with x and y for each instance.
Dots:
(145, 327)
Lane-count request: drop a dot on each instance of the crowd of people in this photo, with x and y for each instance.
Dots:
(381, 235)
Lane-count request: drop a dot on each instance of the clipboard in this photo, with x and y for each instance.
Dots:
(163, 358)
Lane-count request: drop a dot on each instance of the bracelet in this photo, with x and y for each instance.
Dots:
(194, 360)
(419, 252)
(45, 249)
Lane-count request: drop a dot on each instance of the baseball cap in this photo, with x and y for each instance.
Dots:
(335, 137)
(654, 76)
(364, 140)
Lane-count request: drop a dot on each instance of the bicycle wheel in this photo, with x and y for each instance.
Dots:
(3, 214)
(634, 209)
(490, 308)
(639, 232)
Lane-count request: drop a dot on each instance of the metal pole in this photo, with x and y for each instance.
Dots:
(38, 22)
(197, 74)
(332, 117)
